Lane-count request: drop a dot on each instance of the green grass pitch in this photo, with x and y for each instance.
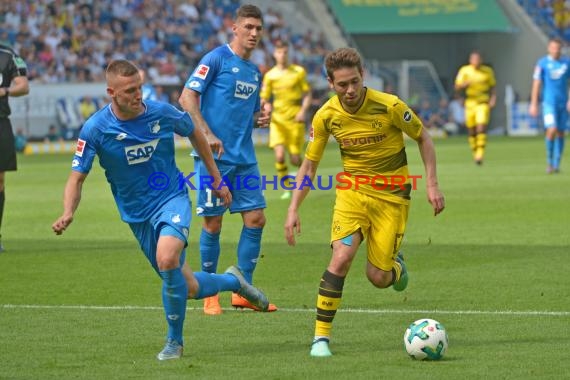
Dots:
(493, 269)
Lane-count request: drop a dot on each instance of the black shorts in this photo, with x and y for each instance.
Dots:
(7, 146)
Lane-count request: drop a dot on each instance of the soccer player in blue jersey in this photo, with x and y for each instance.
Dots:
(222, 98)
(551, 73)
(134, 141)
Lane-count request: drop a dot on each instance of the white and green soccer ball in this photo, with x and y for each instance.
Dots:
(426, 339)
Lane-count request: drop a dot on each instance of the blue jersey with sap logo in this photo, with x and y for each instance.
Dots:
(554, 75)
(137, 155)
(229, 86)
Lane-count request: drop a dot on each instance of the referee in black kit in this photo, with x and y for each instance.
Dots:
(13, 82)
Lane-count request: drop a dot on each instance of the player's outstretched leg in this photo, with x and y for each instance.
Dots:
(402, 282)
(255, 296)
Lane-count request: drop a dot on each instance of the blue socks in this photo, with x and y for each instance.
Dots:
(210, 284)
(174, 295)
(209, 251)
(248, 251)
(549, 152)
(558, 149)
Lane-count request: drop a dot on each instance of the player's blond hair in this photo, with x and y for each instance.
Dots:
(342, 58)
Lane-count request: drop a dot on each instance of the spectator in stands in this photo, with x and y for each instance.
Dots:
(478, 82)
(20, 140)
(53, 135)
(551, 76)
(457, 112)
(87, 107)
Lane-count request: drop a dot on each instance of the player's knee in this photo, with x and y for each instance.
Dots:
(255, 219)
(212, 225)
(167, 262)
(379, 278)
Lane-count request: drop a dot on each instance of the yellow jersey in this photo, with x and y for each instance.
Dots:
(371, 143)
(286, 87)
(481, 79)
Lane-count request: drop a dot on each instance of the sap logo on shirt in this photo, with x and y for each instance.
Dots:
(244, 89)
(137, 154)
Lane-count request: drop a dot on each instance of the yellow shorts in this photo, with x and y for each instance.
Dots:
(382, 224)
(290, 134)
(476, 114)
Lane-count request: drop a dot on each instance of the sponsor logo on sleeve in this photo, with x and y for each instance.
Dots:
(80, 147)
(202, 71)
(312, 134)
(407, 116)
(194, 84)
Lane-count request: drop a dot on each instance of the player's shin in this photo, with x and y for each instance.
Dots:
(209, 251)
(328, 302)
(248, 250)
(174, 295)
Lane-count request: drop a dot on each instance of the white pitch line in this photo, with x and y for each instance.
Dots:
(529, 313)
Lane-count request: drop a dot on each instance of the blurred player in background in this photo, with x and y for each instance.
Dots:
(551, 75)
(287, 95)
(222, 98)
(478, 82)
(369, 126)
(13, 82)
(135, 141)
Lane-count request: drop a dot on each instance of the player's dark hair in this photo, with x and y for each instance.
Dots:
(342, 58)
(249, 11)
(122, 67)
(557, 40)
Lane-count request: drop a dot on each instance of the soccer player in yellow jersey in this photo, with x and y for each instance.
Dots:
(287, 95)
(373, 194)
(478, 82)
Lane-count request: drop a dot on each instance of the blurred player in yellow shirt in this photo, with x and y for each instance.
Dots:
(369, 127)
(478, 82)
(287, 95)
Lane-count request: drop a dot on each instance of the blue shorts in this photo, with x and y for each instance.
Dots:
(172, 219)
(245, 184)
(555, 116)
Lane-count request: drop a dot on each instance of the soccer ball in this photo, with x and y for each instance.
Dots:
(426, 339)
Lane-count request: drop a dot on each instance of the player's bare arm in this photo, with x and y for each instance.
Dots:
(293, 222)
(19, 87)
(305, 104)
(534, 92)
(190, 102)
(71, 199)
(493, 97)
(427, 152)
(200, 143)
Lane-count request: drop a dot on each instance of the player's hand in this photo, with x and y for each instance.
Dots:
(264, 118)
(61, 224)
(436, 199)
(533, 110)
(292, 227)
(300, 117)
(223, 193)
(216, 145)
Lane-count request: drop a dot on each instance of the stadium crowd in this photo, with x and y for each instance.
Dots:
(66, 41)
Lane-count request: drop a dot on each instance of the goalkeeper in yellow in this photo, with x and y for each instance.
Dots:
(369, 127)
(287, 95)
(478, 82)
